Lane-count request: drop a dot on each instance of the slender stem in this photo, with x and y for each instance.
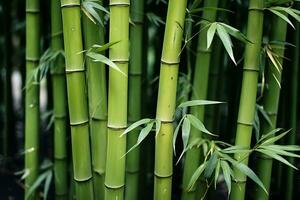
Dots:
(293, 107)
(270, 104)
(77, 98)
(96, 78)
(117, 100)
(199, 91)
(167, 98)
(59, 105)
(248, 91)
(32, 115)
(135, 97)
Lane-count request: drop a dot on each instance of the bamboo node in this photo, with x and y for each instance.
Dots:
(169, 62)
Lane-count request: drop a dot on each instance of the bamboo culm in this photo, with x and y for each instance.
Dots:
(77, 99)
(292, 137)
(117, 100)
(163, 168)
(270, 104)
(200, 84)
(59, 105)
(248, 92)
(32, 114)
(134, 97)
(96, 79)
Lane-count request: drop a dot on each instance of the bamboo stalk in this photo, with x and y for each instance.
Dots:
(134, 97)
(200, 84)
(117, 100)
(32, 94)
(270, 104)
(96, 78)
(59, 105)
(166, 103)
(248, 92)
(292, 137)
(77, 98)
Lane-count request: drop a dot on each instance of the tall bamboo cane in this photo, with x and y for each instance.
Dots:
(248, 92)
(167, 99)
(135, 97)
(291, 140)
(117, 100)
(96, 78)
(200, 83)
(32, 114)
(77, 98)
(270, 104)
(59, 105)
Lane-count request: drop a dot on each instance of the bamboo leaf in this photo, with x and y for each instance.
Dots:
(198, 124)
(235, 33)
(99, 48)
(248, 172)
(198, 103)
(210, 34)
(47, 184)
(225, 38)
(101, 58)
(211, 165)
(143, 134)
(196, 176)
(176, 134)
(186, 129)
(226, 172)
(274, 139)
(37, 183)
(269, 134)
(217, 173)
(137, 124)
(282, 16)
(275, 156)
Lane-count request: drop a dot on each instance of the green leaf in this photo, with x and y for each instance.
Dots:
(235, 149)
(198, 103)
(37, 183)
(196, 176)
(101, 58)
(198, 124)
(235, 33)
(248, 172)
(275, 139)
(186, 129)
(271, 133)
(282, 16)
(217, 173)
(225, 38)
(211, 165)
(143, 134)
(275, 156)
(137, 124)
(278, 150)
(47, 184)
(176, 134)
(226, 172)
(264, 114)
(210, 34)
(99, 48)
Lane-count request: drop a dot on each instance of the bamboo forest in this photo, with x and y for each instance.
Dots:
(149, 99)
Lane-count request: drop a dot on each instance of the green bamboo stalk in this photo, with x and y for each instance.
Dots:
(96, 78)
(248, 92)
(32, 114)
(59, 105)
(200, 84)
(77, 98)
(134, 97)
(270, 104)
(117, 100)
(166, 103)
(292, 137)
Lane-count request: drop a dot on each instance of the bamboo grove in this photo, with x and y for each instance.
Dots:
(149, 99)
